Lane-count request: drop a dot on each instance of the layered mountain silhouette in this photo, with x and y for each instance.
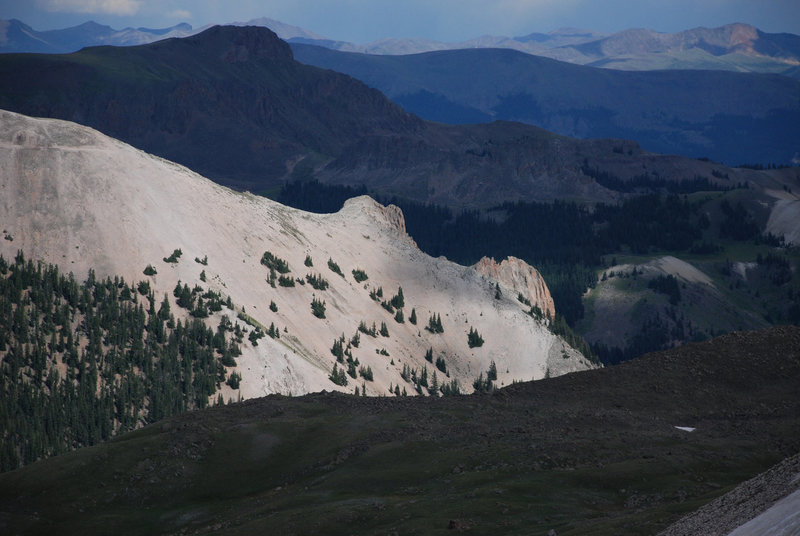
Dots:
(232, 103)
(733, 47)
(16, 36)
(730, 117)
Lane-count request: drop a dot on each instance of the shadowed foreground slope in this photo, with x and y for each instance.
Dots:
(589, 453)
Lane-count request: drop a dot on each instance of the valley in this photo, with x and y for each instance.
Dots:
(243, 293)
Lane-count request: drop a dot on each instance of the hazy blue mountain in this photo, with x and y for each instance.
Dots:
(715, 114)
(16, 36)
(733, 47)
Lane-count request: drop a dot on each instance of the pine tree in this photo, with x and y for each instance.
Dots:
(338, 376)
(338, 350)
(473, 338)
(334, 267)
(398, 301)
(435, 324)
(413, 317)
(318, 308)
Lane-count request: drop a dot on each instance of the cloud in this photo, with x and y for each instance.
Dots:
(110, 7)
(179, 14)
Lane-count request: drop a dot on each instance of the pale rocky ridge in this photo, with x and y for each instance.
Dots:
(522, 278)
(74, 197)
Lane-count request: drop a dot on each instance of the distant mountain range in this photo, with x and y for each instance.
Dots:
(733, 47)
(233, 104)
(693, 113)
(16, 36)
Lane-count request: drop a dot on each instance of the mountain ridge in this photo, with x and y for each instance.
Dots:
(16, 36)
(262, 121)
(84, 201)
(697, 48)
(692, 113)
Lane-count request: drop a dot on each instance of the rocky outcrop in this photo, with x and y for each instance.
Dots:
(389, 215)
(242, 44)
(521, 277)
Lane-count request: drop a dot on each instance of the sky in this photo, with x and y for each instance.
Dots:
(362, 21)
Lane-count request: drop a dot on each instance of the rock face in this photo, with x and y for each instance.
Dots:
(391, 216)
(74, 197)
(520, 277)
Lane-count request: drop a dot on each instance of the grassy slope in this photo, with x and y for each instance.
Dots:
(733, 303)
(589, 453)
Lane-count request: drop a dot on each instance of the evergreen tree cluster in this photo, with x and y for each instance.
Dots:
(486, 385)
(559, 326)
(738, 224)
(371, 331)
(338, 376)
(286, 281)
(200, 303)
(173, 258)
(435, 324)
(317, 281)
(360, 275)
(420, 380)
(647, 183)
(666, 284)
(474, 339)
(81, 362)
(275, 263)
(318, 307)
(376, 294)
(334, 267)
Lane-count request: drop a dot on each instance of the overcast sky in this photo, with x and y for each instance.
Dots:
(361, 21)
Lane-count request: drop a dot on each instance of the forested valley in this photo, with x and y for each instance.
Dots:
(571, 243)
